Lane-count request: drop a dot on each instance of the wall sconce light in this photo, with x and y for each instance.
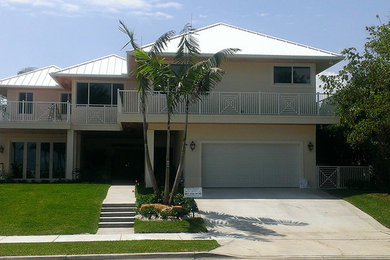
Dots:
(1, 149)
(310, 146)
(192, 146)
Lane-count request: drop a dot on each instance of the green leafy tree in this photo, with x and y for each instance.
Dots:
(143, 60)
(362, 94)
(194, 78)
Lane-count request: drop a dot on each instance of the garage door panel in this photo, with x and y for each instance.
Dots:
(250, 165)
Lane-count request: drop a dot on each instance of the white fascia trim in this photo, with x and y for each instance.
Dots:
(262, 56)
(54, 75)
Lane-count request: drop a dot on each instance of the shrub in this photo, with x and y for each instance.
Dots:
(148, 212)
(186, 203)
(146, 196)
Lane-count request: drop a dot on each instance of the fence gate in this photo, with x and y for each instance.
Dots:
(336, 177)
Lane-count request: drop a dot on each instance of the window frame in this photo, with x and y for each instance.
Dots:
(310, 84)
(38, 149)
(89, 104)
(28, 106)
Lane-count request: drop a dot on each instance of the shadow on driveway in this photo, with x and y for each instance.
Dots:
(251, 228)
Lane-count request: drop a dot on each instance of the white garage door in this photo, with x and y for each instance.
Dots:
(250, 165)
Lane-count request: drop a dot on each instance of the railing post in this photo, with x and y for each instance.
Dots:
(119, 101)
(338, 177)
(104, 114)
(278, 103)
(86, 114)
(318, 176)
(239, 102)
(299, 104)
(318, 103)
(199, 106)
(138, 102)
(259, 94)
(68, 111)
(23, 107)
(55, 112)
(219, 103)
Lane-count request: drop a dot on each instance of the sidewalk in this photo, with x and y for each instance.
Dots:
(97, 237)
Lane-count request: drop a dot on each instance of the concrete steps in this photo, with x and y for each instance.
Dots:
(117, 215)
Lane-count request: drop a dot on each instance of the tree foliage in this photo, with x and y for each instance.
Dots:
(362, 94)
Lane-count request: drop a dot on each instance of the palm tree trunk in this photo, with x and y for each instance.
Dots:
(146, 147)
(167, 160)
(179, 171)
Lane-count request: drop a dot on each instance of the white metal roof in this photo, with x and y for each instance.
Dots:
(107, 66)
(216, 37)
(39, 78)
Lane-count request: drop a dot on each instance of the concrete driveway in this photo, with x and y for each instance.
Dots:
(255, 222)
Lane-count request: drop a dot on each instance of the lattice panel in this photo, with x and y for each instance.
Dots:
(328, 177)
(289, 104)
(229, 104)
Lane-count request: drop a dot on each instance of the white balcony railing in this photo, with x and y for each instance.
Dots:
(236, 103)
(36, 111)
(27, 111)
(94, 114)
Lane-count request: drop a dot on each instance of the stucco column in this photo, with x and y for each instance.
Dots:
(70, 139)
(150, 135)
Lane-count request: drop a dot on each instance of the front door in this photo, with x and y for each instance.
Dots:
(128, 164)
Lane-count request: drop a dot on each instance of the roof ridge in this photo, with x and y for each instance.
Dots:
(179, 35)
(90, 61)
(29, 72)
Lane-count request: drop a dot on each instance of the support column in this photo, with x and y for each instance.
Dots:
(70, 139)
(150, 135)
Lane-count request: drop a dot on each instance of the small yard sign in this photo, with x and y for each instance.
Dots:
(193, 192)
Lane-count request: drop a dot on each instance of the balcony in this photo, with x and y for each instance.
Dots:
(55, 115)
(216, 107)
(94, 114)
(24, 113)
(243, 105)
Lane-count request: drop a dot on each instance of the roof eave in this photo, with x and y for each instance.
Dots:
(30, 87)
(263, 56)
(54, 75)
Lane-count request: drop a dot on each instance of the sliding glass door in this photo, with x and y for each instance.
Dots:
(38, 160)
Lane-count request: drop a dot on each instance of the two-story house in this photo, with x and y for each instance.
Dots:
(256, 129)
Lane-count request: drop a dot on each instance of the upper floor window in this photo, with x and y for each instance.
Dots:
(292, 75)
(98, 93)
(27, 106)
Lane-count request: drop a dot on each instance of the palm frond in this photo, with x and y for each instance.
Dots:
(123, 28)
(188, 48)
(161, 43)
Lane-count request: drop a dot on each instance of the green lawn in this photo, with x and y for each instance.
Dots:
(107, 247)
(376, 205)
(42, 209)
(192, 225)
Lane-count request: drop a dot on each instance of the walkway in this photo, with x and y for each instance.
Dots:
(118, 194)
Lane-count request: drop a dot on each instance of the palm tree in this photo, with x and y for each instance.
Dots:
(144, 86)
(159, 74)
(194, 79)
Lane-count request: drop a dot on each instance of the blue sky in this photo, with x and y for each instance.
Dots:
(66, 32)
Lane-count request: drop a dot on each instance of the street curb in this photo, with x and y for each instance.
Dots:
(194, 255)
